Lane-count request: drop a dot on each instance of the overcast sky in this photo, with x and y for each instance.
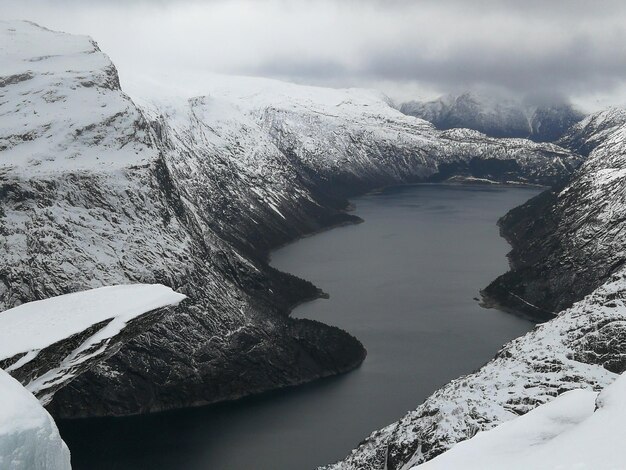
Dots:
(420, 48)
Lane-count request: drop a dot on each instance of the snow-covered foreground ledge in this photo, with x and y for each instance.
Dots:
(580, 429)
(46, 343)
(29, 438)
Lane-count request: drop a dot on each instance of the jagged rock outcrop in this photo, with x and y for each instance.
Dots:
(191, 191)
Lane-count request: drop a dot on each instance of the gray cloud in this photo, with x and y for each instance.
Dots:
(568, 48)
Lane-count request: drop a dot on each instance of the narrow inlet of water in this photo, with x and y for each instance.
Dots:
(405, 283)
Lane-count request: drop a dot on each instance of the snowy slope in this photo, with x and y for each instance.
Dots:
(29, 438)
(579, 429)
(231, 167)
(352, 138)
(37, 325)
(594, 129)
(47, 343)
(60, 105)
(582, 348)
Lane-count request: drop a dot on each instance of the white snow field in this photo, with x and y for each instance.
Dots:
(578, 430)
(35, 325)
(29, 439)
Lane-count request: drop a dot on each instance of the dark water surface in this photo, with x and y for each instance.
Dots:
(404, 283)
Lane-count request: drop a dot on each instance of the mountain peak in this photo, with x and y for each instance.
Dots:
(60, 100)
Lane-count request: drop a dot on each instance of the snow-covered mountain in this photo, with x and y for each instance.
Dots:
(342, 141)
(93, 203)
(190, 187)
(496, 117)
(567, 242)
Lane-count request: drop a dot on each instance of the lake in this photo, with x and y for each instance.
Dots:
(405, 282)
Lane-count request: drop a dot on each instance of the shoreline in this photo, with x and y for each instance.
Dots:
(265, 397)
(485, 301)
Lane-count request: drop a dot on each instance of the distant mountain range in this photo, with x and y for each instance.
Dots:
(496, 117)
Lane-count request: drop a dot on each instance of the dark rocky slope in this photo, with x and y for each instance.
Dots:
(569, 240)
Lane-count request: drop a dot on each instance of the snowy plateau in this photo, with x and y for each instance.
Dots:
(189, 181)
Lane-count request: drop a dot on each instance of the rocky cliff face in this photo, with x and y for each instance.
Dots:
(496, 117)
(191, 189)
(570, 240)
(45, 344)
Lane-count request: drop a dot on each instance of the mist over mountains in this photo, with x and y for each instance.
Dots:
(541, 120)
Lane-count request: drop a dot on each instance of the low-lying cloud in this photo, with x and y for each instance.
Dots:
(410, 48)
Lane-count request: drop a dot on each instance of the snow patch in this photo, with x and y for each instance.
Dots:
(37, 325)
(565, 433)
(29, 438)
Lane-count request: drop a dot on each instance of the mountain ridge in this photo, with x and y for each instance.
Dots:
(497, 117)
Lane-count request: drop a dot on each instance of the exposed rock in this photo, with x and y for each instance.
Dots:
(47, 343)
(568, 241)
